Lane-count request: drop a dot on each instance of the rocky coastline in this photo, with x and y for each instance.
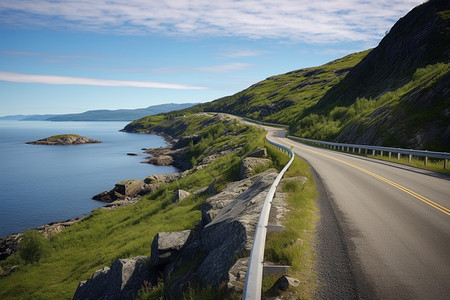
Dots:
(214, 254)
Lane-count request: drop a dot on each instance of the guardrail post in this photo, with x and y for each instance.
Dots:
(399, 155)
(410, 158)
(359, 150)
(381, 152)
(426, 160)
(445, 164)
(390, 154)
(366, 150)
(373, 152)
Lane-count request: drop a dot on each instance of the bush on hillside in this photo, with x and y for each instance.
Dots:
(32, 246)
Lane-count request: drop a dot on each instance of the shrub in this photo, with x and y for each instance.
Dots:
(32, 246)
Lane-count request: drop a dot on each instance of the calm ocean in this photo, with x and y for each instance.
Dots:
(41, 184)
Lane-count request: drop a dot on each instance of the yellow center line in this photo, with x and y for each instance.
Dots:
(400, 187)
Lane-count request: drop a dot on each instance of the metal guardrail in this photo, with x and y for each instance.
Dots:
(253, 282)
(265, 123)
(410, 152)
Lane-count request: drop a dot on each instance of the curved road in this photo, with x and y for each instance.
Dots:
(395, 220)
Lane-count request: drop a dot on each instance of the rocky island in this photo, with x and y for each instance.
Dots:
(64, 139)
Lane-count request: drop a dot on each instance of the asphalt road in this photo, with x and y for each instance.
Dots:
(395, 221)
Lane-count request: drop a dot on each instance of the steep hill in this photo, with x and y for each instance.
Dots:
(394, 95)
(284, 97)
(399, 94)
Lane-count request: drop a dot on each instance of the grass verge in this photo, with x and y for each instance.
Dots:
(294, 246)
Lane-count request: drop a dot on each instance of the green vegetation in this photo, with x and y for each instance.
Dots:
(282, 98)
(60, 136)
(294, 245)
(103, 236)
(326, 125)
(32, 246)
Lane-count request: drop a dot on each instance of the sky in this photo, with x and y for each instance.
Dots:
(66, 56)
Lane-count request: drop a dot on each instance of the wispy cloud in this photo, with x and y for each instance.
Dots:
(66, 80)
(321, 21)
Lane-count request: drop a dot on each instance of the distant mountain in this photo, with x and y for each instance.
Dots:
(395, 95)
(37, 117)
(27, 117)
(105, 115)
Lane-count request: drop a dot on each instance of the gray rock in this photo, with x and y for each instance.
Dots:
(284, 282)
(166, 246)
(129, 187)
(122, 281)
(249, 164)
(64, 139)
(237, 275)
(162, 178)
(231, 232)
(258, 152)
(9, 245)
(180, 195)
(211, 206)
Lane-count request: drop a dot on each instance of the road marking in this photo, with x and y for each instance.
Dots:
(400, 187)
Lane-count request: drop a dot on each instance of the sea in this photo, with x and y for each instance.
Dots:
(40, 184)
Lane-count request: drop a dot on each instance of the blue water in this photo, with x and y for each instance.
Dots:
(40, 184)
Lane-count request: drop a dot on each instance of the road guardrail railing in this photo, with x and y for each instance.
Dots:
(253, 281)
(381, 150)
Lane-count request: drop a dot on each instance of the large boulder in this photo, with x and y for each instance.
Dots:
(230, 233)
(250, 164)
(124, 189)
(162, 178)
(166, 246)
(211, 206)
(129, 187)
(122, 281)
(181, 195)
(258, 152)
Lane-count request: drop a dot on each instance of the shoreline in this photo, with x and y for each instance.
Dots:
(9, 244)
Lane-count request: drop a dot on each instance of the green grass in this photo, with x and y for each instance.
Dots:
(104, 236)
(59, 136)
(436, 165)
(294, 245)
(282, 98)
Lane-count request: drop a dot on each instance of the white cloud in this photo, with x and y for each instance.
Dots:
(66, 80)
(320, 21)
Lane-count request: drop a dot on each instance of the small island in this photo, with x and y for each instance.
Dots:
(64, 139)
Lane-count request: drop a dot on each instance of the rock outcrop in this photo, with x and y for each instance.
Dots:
(10, 244)
(252, 161)
(166, 246)
(64, 139)
(127, 192)
(122, 281)
(214, 255)
(211, 257)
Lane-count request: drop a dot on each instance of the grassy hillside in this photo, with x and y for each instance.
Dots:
(283, 98)
(96, 241)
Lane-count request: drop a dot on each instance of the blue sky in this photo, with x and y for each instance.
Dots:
(64, 56)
